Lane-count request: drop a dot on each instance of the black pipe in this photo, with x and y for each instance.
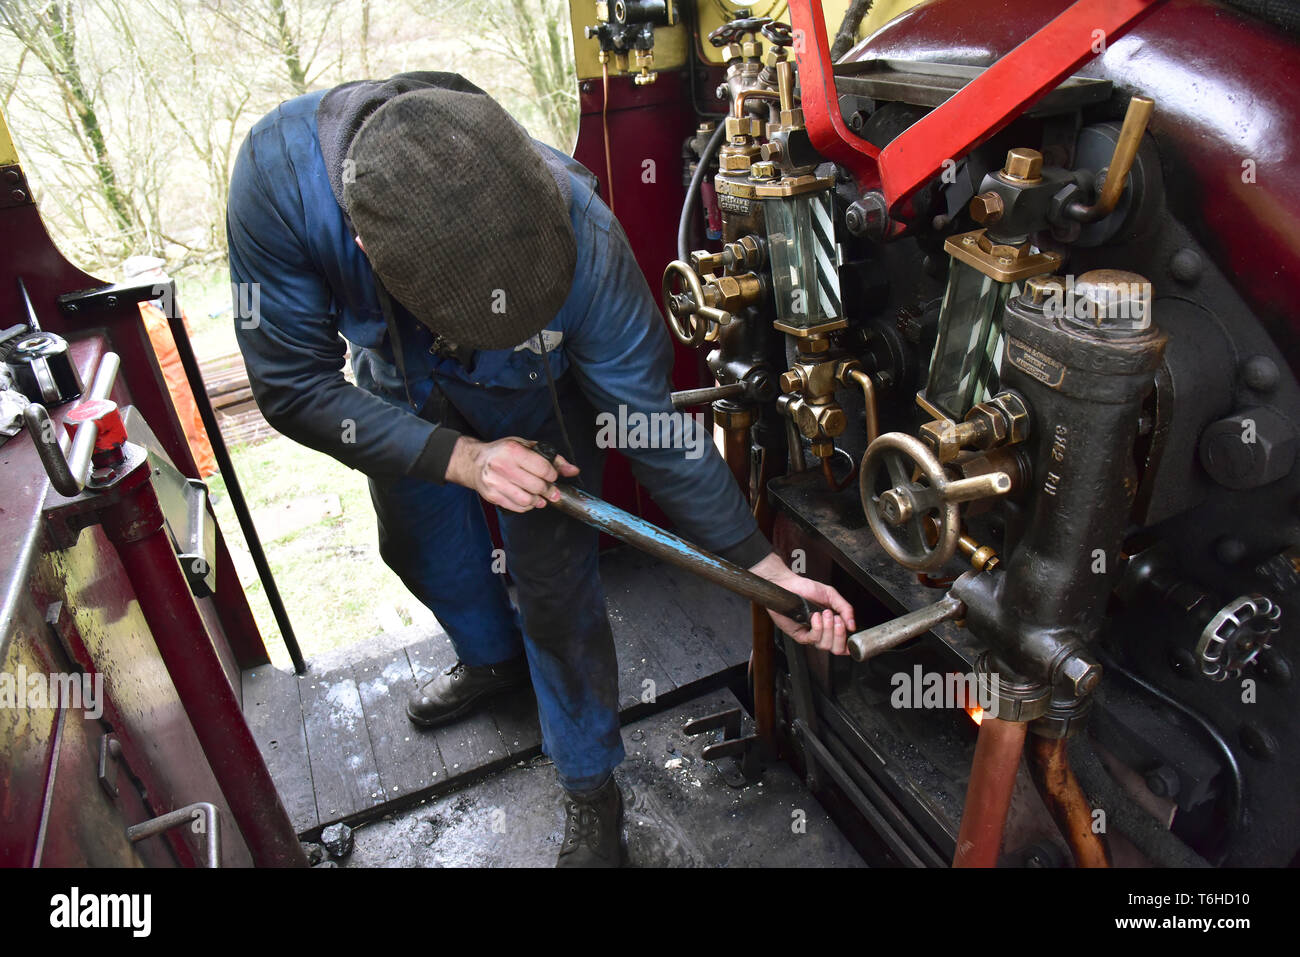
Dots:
(1236, 817)
(693, 194)
(1148, 835)
(237, 501)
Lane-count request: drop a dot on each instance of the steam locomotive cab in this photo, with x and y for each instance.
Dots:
(993, 314)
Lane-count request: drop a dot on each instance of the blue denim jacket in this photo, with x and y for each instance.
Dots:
(313, 285)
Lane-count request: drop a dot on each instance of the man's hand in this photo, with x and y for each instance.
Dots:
(828, 630)
(507, 472)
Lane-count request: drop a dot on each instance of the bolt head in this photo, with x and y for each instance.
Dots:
(986, 208)
(1080, 673)
(1025, 165)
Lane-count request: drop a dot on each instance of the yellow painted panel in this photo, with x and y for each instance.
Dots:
(670, 42)
(8, 155)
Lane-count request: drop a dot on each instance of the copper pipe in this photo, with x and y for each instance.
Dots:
(869, 402)
(988, 796)
(752, 94)
(1049, 765)
(736, 453)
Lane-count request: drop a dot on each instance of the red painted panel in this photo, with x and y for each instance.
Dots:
(1226, 104)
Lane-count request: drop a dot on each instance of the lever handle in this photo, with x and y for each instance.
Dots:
(1121, 161)
(880, 638)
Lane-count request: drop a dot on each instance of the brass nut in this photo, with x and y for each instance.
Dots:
(989, 426)
(1014, 414)
(1040, 288)
(986, 208)
(764, 169)
(734, 161)
(814, 345)
(749, 126)
(732, 418)
(1024, 165)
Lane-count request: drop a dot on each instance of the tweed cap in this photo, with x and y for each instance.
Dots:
(462, 220)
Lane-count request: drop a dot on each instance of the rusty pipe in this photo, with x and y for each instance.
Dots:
(1049, 765)
(653, 540)
(988, 795)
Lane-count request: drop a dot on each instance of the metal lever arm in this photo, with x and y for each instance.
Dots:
(969, 117)
(653, 540)
(880, 638)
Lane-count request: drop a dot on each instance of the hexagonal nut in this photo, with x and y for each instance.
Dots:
(990, 426)
(941, 438)
(749, 126)
(1080, 673)
(1023, 164)
(832, 419)
(791, 382)
(986, 208)
(1248, 449)
(734, 161)
(1015, 415)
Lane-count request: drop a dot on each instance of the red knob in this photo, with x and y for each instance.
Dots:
(103, 412)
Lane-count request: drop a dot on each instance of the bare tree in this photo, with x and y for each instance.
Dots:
(296, 32)
(47, 30)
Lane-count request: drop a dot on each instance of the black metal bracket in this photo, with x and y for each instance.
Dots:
(738, 757)
(90, 302)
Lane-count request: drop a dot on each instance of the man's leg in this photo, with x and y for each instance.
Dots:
(436, 539)
(570, 647)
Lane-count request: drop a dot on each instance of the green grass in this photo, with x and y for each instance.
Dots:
(335, 587)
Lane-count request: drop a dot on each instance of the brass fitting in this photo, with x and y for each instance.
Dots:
(732, 418)
(744, 127)
(1023, 166)
(1002, 420)
(986, 208)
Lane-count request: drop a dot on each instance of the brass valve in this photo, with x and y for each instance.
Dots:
(1002, 420)
(697, 315)
(810, 383)
(917, 519)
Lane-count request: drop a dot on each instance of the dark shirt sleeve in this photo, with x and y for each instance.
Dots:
(287, 332)
(621, 355)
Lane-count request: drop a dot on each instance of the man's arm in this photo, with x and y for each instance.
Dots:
(291, 346)
(622, 356)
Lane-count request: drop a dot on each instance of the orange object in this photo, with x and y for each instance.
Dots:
(169, 360)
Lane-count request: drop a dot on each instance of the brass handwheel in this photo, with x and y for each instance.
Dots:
(689, 318)
(918, 487)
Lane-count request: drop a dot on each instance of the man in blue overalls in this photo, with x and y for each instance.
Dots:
(491, 300)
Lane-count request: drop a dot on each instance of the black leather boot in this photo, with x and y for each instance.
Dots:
(593, 828)
(460, 688)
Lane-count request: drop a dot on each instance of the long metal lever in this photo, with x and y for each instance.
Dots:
(653, 540)
(880, 638)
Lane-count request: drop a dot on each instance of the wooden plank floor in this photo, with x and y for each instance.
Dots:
(339, 745)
